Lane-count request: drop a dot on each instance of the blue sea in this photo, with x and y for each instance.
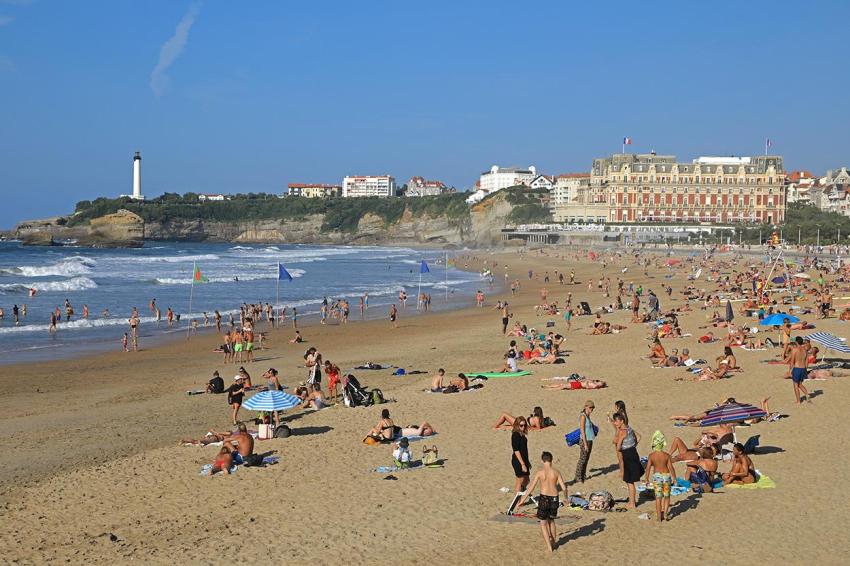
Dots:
(119, 279)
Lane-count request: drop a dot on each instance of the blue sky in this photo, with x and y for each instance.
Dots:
(252, 96)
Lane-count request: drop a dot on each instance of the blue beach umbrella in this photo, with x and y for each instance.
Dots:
(829, 341)
(778, 319)
(272, 401)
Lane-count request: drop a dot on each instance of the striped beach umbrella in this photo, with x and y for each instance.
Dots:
(829, 341)
(271, 401)
(732, 413)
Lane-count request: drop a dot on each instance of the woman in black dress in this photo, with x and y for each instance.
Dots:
(631, 470)
(519, 455)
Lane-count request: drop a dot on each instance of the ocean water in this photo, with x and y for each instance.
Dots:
(121, 279)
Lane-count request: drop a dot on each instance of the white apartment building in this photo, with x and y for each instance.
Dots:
(498, 178)
(568, 187)
(203, 197)
(368, 186)
(543, 182)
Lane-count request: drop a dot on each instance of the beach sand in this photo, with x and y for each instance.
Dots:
(92, 471)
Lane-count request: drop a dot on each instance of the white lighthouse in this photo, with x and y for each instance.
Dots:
(137, 177)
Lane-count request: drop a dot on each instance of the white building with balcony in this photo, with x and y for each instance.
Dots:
(368, 186)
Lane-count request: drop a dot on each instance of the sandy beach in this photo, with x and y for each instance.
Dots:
(93, 473)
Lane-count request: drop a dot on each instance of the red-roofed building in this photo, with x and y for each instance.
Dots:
(798, 186)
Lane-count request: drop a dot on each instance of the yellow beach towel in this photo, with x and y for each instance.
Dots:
(763, 483)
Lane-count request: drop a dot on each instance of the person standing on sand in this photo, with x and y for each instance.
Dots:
(664, 475)
(631, 468)
(519, 454)
(588, 435)
(235, 394)
(294, 318)
(394, 316)
(799, 362)
(550, 480)
(506, 316)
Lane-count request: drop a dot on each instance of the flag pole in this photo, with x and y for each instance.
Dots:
(419, 292)
(277, 287)
(447, 277)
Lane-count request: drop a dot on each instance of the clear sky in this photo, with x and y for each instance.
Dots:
(249, 96)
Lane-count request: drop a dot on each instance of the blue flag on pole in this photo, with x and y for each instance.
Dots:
(423, 267)
(282, 273)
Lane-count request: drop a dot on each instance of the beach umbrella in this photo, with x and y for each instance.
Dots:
(673, 261)
(802, 276)
(730, 314)
(830, 341)
(731, 413)
(778, 280)
(778, 319)
(271, 401)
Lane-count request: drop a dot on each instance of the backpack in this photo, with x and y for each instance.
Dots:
(282, 431)
(600, 501)
(377, 397)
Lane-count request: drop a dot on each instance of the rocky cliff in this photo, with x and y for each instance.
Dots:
(480, 228)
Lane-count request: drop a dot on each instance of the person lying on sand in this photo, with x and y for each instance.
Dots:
(743, 471)
(386, 429)
(211, 437)
(582, 383)
(536, 421)
(223, 462)
(547, 358)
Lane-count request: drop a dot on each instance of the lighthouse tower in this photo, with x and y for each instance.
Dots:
(137, 177)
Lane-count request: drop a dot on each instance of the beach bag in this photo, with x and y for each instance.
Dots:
(430, 456)
(282, 431)
(600, 501)
(371, 441)
(574, 437)
(377, 397)
(265, 432)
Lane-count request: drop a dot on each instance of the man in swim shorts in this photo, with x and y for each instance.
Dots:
(799, 361)
(549, 479)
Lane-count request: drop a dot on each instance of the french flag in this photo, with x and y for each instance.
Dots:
(627, 141)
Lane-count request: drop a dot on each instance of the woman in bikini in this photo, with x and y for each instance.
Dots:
(743, 471)
(536, 421)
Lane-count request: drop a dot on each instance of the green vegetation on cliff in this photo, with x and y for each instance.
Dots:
(529, 205)
(340, 214)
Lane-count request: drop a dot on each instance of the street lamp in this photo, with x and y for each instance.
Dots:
(818, 240)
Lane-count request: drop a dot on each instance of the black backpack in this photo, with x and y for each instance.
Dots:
(282, 431)
(216, 385)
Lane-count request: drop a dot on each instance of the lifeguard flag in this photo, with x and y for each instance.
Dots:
(197, 276)
(282, 273)
(423, 267)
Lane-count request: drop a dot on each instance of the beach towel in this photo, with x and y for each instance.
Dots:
(370, 365)
(763, 482)
(206, 469)
(490, 375)
(574, 437)
(418, 438)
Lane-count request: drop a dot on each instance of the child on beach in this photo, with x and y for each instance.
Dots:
(550, 480)
(124, 343)
(660, 466)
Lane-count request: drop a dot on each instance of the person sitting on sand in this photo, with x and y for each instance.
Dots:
(536, 421)
(845, 314)
(728, 359)
(510, 359)
(223, 462)
(242, 445)
(386, 429)
(743, 471)
(582, 383)
(702, 471)
(297, 339)
(314, 399)
(459, 383)
(437, 381)
(657, 355)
